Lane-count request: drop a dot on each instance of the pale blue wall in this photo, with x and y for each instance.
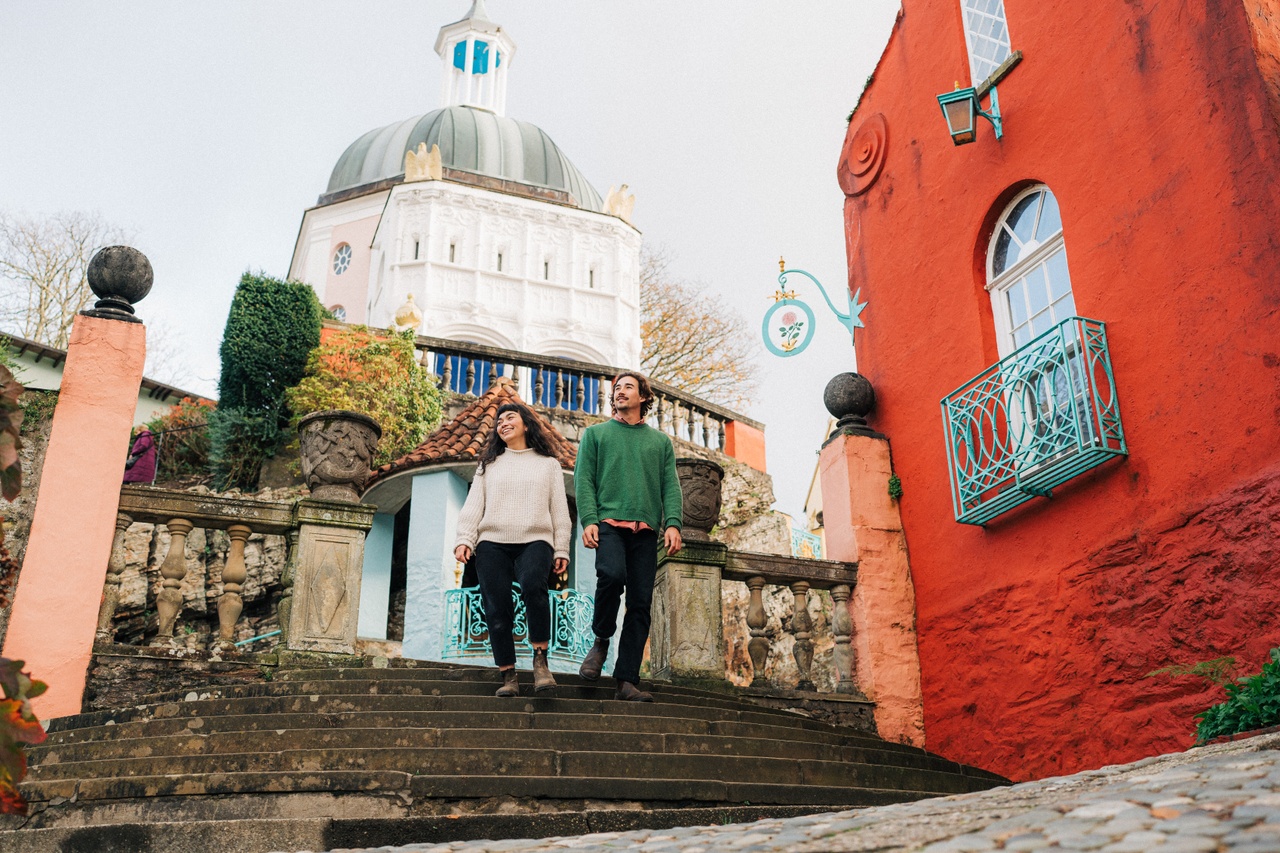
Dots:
(584, 559)
(375, 578)
(437, 499)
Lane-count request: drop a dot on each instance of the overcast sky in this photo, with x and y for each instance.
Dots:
(206, 129)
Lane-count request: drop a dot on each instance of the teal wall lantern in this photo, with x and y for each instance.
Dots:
(789, 322)
(961, 110)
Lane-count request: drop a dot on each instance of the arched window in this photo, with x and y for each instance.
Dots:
(986, 34)
(1027, 270)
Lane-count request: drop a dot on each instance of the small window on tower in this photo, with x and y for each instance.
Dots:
(417, 246)
(499, 262)
(453, 248)
(591, 278)
(339, 313)
(546, 270)
(341, 259)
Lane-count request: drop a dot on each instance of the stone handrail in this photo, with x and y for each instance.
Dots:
(181, 512)
(800, 576)
(677, 413)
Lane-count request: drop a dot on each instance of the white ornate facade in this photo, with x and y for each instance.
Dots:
(509, 246)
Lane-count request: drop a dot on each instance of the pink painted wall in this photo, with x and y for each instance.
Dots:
(351, 289)
(55, 607)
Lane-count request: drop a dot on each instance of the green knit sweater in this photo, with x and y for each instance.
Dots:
(627, 472)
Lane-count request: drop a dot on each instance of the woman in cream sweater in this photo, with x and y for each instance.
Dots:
(516, 521)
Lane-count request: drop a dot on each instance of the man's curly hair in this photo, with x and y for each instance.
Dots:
(646, 392)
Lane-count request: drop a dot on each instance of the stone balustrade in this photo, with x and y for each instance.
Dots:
(565, 383)
(326, 541)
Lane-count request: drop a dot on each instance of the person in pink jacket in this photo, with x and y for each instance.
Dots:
(140, 467)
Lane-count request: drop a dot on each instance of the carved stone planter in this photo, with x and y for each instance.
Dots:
(700, 482)
(337, 453)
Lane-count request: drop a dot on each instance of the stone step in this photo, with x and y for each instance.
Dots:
(317, 703)
(67, 794)
(527, 761)
(560, 740)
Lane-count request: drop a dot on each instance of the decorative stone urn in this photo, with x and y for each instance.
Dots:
(337, 452)
(700, 482)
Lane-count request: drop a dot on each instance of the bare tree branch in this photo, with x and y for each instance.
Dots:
(42, 271)
(691, 339)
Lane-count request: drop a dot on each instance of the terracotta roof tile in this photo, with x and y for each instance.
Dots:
(463, 438)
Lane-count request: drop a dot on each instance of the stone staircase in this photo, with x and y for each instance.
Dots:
(329, 758)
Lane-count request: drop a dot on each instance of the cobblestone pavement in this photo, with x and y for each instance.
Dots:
(1216, 798)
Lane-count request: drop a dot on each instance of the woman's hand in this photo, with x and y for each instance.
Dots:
(462, 553)
(562, 566)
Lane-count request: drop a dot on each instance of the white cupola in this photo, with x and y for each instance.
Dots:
(476, 54)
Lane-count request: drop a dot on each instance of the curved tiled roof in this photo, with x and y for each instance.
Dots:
(470, 140)
(463, 438)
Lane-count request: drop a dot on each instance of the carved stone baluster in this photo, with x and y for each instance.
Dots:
(601, 397)
(659, 411)
(707, 422)
(677, 420)
(446, 378)
(842, 629)
(493, 371)
(559, 389)
(471, 376)
(802, 627)
(286, 583)
(721, 447)
(537, 386)
(230, 604)
(582, 391)
(758, 645)
(173, 570)
(111, 590)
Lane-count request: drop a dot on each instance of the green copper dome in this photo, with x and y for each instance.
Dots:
(470, 140)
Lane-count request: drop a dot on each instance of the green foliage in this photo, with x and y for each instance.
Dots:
(895, 486)
(18, 728)
(37, 407)
(183, 434)
(375, 374)
(8, 360)
(1252, 703)
(1218, 672)
(272, 326)
(11, 415)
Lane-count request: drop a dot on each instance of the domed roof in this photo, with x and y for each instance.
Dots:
(470, 140)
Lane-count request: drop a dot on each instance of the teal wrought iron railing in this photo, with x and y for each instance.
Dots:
(1033, 420)
(466, 635)
(806, 545)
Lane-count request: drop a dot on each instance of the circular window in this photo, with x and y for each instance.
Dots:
(339, 313)
(342, 259)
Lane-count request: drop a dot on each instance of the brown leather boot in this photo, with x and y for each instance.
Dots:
(628, 692)
(542, 677)
(510, 684)
(594, 661)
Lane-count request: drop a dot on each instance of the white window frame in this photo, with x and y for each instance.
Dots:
(998, 286)
(969, 37)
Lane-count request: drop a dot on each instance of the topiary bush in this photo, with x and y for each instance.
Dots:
(272, 327)
(375, 374)
(1252, 703)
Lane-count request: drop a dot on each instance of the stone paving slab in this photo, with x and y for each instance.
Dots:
(1215, 799)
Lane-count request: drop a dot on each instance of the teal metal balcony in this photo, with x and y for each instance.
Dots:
(1033, 420)
(466, 635)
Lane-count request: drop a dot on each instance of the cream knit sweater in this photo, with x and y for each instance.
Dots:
(519, 498)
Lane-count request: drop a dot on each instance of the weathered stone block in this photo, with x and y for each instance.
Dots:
(326, 588)
(687, 637)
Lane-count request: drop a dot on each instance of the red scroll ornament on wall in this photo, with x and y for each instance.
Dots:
(863, 155)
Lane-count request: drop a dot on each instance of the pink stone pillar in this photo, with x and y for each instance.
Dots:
(55, 606)
(862, 525)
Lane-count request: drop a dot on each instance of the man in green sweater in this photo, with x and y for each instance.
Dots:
(627, 490)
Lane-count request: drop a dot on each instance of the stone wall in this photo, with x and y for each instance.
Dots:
(17, 515)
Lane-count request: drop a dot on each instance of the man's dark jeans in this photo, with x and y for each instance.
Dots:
(528, 564)
(625, 560)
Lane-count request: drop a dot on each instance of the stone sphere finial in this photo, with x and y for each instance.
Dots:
(119, 276)
(407, 316)
(849, 398)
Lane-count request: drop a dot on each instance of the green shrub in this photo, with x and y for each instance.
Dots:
(375, 374)
(272, 326)
(183, 436)
(1252, 703)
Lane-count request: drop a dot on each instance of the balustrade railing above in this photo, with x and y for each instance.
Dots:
(572, 385)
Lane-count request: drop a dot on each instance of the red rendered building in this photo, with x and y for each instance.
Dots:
(1137, 184)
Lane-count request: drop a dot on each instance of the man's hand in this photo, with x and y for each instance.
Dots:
(562, 566)
(673, 541)
(462, 553)
(591, 536)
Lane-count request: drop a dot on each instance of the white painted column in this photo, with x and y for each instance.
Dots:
(433, 520)
(375, 579)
